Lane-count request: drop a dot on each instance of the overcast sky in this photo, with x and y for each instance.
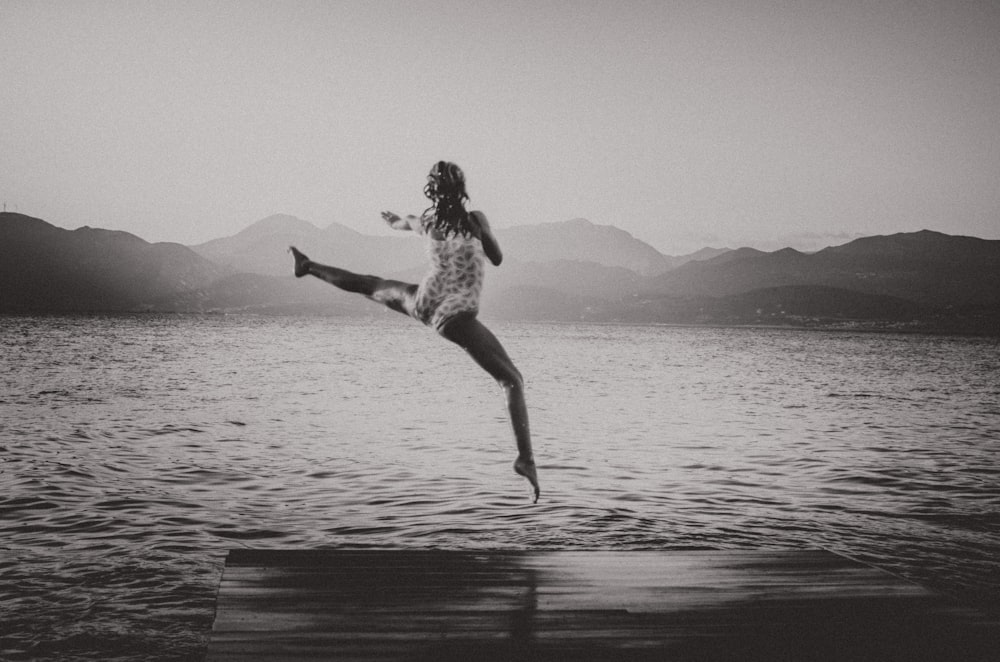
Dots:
(690, 123)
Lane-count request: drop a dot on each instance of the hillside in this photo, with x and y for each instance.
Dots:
(928, 268)
(45, 268)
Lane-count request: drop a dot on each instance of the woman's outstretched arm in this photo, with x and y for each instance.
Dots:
(396, 222)
(490, 245)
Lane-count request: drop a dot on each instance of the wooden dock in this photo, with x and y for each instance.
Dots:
(580, 605)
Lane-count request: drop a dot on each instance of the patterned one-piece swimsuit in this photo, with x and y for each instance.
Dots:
(455, 280)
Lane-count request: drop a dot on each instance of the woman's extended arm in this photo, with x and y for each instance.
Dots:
(485, 234)
(397, 223)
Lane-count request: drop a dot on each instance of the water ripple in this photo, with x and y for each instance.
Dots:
(126, 479)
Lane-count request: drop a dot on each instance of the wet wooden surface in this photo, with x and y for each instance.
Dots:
(582, 605)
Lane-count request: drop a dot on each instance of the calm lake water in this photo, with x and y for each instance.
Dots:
(136, 450)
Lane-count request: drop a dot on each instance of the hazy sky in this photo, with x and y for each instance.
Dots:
(691, 123)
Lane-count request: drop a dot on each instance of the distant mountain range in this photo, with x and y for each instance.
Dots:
(253, 249)
(568, 271)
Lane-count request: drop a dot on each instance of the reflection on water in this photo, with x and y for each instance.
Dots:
(632, 606)
(134, 451)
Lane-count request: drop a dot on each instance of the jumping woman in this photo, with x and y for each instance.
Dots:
(447, 299)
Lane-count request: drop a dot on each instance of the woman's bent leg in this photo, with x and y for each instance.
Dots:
(470, 334)
(394, 294)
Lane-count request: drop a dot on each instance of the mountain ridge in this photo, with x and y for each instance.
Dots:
(45, 268)
(930, 268)
(920, 281)
(253, 249)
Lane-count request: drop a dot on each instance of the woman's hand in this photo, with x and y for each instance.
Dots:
(396, 222)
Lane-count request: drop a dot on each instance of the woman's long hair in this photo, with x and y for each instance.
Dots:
(446, 190)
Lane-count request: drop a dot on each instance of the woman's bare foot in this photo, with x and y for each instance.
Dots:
(526, 468)
(301, 262)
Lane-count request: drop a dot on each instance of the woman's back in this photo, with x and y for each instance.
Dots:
(454, 282)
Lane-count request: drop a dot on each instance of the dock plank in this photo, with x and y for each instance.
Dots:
(582, 605)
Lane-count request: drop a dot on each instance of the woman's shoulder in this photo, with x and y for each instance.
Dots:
(478, 223)
(429, 229)
(424, 224)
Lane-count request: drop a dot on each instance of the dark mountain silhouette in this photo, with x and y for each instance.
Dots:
(929, 268)
(45, 268)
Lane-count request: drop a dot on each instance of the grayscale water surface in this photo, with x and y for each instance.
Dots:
(136, 450)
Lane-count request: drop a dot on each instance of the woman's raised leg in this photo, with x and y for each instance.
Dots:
(470, 334)
(394, 294)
